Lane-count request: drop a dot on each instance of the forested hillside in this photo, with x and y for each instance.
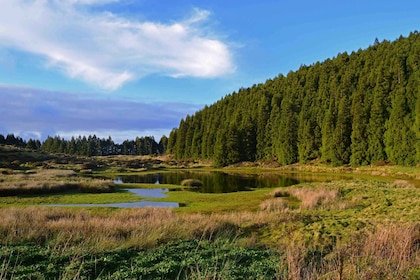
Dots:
(357, 109)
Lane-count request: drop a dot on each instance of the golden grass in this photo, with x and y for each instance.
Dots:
(138, 227)
(385, 251)
(276, 204)
(25, 187)
(312, 198)
(41, 181)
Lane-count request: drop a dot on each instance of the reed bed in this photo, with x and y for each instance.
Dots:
(138, 228)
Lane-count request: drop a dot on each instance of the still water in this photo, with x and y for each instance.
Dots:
(216, 182)
(213, 182)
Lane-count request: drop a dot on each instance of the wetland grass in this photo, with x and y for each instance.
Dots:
(46, 181)
(353, 229)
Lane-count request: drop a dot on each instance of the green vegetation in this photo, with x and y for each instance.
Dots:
(359, 109)
(192, 183)
(216, 202)
(363, 228)
(189, 259)
(347, 229)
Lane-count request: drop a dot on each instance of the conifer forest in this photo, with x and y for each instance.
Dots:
(358, 109)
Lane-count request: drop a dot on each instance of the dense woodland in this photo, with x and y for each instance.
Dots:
(358, 109)
(90, 146)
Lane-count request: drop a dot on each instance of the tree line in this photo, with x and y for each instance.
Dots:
(358, 109)
(90, 146)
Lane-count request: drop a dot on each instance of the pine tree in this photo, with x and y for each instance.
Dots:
(286, 146)
(342, 134)
(359, 139)
(328, 127)
(399, 138)
(378, 117)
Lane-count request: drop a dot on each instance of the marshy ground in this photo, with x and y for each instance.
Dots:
(365, 227)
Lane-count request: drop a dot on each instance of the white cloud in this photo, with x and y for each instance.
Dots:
(109, 50)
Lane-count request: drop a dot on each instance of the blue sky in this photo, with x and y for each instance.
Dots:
(127, 68)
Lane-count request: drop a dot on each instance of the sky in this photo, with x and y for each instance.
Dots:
(133, 68)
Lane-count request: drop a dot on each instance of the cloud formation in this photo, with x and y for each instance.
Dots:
(108, 50)
(34, 113)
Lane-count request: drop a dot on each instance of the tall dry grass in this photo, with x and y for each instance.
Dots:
(384, 252)
(138, 227)
(29, 186)
(313, 198)
(276, 204)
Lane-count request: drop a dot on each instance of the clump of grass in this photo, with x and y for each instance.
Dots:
(274, 205)
(195, 183)
(312, 198)
(6, 171)
(53, 173)
(402, 184)
(280, 193)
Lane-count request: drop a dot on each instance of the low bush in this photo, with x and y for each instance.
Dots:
(195, 183)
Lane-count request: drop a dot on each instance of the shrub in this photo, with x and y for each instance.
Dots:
(192, 183)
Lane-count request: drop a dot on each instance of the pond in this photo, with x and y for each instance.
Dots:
(216, 182)
(213, 182)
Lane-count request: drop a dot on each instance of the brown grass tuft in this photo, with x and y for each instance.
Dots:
(274, 205)
(312, 198)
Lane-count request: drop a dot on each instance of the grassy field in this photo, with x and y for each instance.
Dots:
(365, 227)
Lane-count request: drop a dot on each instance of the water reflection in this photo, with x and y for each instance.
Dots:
(154, 193)
(215, 182)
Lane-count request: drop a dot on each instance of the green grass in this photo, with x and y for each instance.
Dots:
(192, 201)
(362, 204)
(70, 198)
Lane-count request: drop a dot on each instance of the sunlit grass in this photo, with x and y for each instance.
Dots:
(352, 229)
(192, 201)
(70, 198)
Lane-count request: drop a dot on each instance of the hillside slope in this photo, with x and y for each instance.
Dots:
(357, 109)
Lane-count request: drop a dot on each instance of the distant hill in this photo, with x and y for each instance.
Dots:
(357, 109)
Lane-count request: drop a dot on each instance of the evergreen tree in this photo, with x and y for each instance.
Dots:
(286, 144)
(328, 128)
(359, 138)
(342, 134)
(163, 144)
(399, 138)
